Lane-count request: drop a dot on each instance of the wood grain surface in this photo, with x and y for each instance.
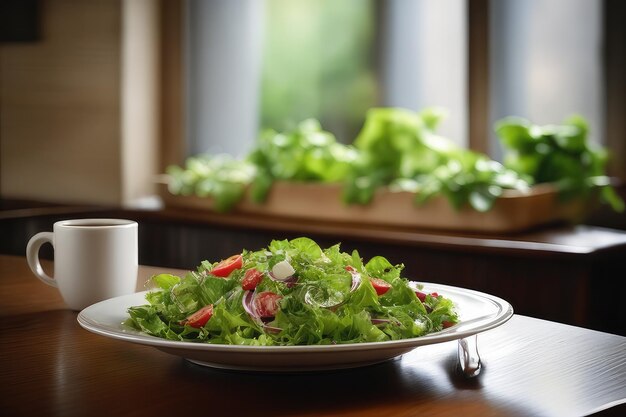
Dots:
(51, 366)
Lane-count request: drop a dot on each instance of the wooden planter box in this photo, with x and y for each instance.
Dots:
(514, 211)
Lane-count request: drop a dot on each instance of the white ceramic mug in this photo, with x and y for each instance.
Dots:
(94, 259)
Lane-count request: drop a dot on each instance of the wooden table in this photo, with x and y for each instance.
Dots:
(49, 365)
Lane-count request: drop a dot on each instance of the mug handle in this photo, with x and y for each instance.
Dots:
(32, 256)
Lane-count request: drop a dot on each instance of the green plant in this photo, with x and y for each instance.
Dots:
(558, 154)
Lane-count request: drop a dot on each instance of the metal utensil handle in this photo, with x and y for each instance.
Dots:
(469, 359)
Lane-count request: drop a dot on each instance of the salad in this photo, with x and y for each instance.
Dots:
(292, 292)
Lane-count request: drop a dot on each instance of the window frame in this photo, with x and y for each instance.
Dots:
(173, 147)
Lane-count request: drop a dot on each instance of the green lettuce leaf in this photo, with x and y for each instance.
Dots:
(322, 307)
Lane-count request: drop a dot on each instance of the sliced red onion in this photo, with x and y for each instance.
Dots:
(356, 277)
(308, 298)
(248, 304)
(356, 280)
(289, 281)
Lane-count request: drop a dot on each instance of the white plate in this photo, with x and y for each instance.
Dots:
(477, 312)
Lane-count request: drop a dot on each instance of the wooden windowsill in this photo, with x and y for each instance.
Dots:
(560, 240)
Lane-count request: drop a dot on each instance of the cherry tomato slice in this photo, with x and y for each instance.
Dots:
(266, 304)
(381, 286)
(447, 324)
(200, 317)
(225, 267)
(422, 296)
(251, 279)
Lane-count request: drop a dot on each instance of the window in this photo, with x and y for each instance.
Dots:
(324, 68)
(546, 62)
(424, 59)
(271, 64)
(256, 64)
(223, 62)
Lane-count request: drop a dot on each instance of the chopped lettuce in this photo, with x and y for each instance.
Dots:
(321, 304)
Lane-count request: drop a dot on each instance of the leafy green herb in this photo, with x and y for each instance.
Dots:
(558, 154)
(220, 177)
(398, 148)
(307, 153)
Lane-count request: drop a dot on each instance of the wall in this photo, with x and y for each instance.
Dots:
(68, 129)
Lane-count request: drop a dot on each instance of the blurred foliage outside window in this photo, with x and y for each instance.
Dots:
(318, 62)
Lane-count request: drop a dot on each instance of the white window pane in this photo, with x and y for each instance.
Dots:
(223, 75)
(546, 62)
(425, 59)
